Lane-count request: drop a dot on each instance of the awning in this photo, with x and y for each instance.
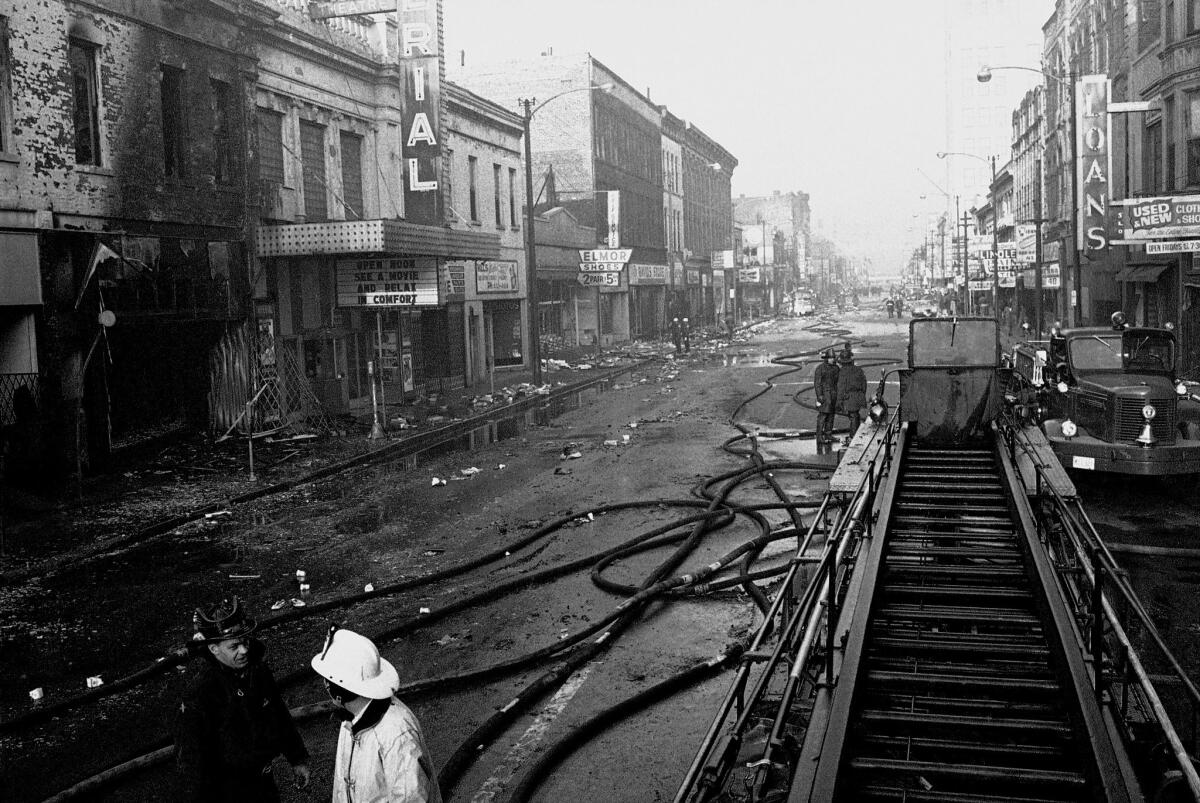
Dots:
(20, 276)
(375, 237)
(1140, 273)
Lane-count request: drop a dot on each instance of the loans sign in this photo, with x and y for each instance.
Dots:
(1094, 163)
(411, 282)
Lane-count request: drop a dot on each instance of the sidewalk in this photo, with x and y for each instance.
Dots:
(179, 476)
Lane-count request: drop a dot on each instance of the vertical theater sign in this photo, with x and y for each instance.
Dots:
(420, 41)
(1094, 160)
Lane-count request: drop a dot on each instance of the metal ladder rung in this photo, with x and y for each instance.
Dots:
(981, 772)
(1050, 727)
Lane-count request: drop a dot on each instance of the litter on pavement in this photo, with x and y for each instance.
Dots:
(437, 481)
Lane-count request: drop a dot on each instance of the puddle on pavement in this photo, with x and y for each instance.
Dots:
(749, 360)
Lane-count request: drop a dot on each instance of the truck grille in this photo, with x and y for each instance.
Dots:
(1129, 419)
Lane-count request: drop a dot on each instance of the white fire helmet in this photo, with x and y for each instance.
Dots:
(353, 662)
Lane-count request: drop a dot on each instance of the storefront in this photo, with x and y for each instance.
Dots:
(372, 295)
(647, 300)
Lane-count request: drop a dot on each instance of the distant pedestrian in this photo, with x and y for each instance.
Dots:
(232, 722)
(851, 390)
(381, 753)
(825, 384)
(686, 332)
(730, 325)
(900, 306)
(676, 329)
(890, 305)
(1008, 318)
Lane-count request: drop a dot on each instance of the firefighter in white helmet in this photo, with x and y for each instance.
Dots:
(381, 754)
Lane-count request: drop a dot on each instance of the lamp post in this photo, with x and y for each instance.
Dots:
(1068, 83)
(995, 230)
(530, 107)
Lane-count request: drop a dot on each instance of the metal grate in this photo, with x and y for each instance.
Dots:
(1128, 422)
(8, 386)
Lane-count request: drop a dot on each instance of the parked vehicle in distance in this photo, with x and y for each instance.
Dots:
(1108, 399)
(805, 305)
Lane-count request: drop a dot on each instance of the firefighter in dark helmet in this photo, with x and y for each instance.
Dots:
(232, 723)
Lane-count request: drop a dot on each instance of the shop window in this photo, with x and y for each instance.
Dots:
(270, 146)
(312, 157)
(171, 97)
(472, 179)
(1193, 16)
(352, 182)
(1169, 135)
(85, 90)
(222, 130)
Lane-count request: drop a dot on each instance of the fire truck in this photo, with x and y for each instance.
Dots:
(1109, 399)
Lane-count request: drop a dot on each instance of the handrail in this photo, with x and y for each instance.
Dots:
(1093, 573)
(796, 637)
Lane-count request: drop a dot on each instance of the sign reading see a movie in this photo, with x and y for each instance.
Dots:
(409, 282)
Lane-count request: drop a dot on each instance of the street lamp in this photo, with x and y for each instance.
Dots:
(995, 230)
(1068, 83)
(530, 107)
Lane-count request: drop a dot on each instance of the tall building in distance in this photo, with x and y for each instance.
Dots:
(979, 115)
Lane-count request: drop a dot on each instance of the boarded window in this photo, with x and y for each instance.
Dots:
(222, 130)
(312, 156)
(85, 91)
(352, 183)
(270, 146)
(1192, 125)
(171, 95)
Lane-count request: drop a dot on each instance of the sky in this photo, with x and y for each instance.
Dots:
(842, 100)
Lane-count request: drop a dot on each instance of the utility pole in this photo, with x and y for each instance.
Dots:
(1037, 246)
(531, 288)
(995, 246)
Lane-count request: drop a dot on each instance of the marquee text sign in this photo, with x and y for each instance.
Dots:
(411, 282)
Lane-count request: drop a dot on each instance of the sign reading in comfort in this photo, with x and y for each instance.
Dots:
(1175, 216)
(409, 282)
(420, 118)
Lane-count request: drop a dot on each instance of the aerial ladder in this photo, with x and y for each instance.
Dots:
(964, 635)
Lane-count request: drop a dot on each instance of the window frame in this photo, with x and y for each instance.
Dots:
(1191, 137)
(222, 109)
(90, 52)
(499, 206)
(1152, 157)
(172, 83)
(6, 107)
(343, 137)
(316, 195)
(473, 187)
(262, 113)
(512, 198)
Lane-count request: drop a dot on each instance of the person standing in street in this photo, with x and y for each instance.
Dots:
(890, 304)
(851, 390)
(686, 330)
(729, 324)
(825, 383)
(232, 722)
(676, 329)
(381, 753)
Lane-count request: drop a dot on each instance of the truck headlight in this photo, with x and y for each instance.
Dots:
(1148, 412)
(1069, 430)
(1180, 389)
(1062, 387)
